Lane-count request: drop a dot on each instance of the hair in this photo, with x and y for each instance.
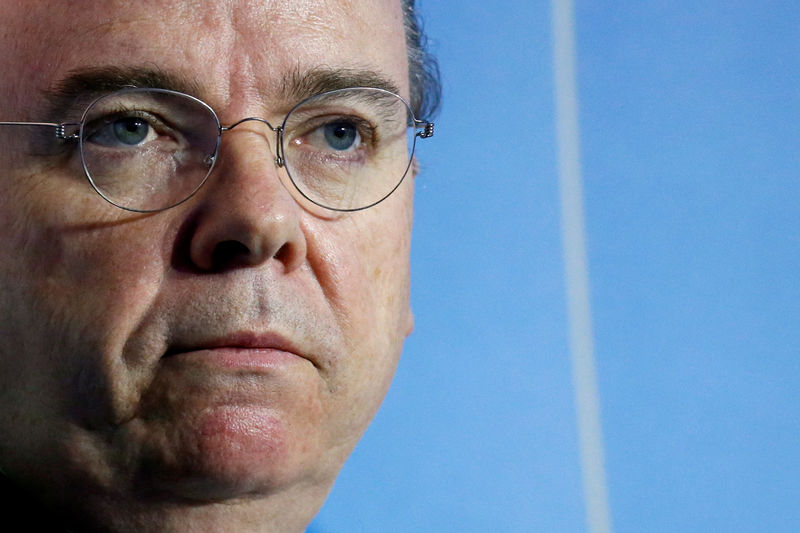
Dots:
(423, 69)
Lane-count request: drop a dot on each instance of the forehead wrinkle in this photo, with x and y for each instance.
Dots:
(179, 37)
(284, 65)
(269, 38)
(268, 51)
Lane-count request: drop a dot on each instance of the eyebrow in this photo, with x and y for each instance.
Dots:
(80, 87)
(71, 95)
(304, 84)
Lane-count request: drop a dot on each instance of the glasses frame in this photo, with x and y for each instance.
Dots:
(65, 131)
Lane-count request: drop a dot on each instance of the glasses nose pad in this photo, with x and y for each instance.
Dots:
(279, 161)
(272, 146)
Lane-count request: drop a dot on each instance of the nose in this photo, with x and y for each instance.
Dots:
(244, 216)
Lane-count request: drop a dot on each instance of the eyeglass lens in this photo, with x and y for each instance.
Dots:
(150, 149)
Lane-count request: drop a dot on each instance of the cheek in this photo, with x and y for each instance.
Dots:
(63, 324)
(71, 295)
(361, 263)
(66, 236)
(83, 273)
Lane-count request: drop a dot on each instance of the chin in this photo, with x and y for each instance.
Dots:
(222, 453)
(197, 473)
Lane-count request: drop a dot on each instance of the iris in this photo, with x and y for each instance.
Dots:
(131, 130)
(341, 135)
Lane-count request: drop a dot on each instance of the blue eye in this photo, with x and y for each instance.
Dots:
(131, 130)
(120, 132)
(341, 135)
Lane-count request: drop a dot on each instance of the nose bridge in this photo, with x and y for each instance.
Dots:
(278, 151)
(251, 119)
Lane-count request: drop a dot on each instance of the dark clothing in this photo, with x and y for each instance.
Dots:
(24, 512)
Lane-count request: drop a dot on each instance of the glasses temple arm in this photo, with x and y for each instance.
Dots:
(61, 128)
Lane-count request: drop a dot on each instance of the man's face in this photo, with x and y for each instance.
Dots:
(233, 347)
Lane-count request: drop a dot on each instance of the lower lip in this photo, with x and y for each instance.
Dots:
(242, 358)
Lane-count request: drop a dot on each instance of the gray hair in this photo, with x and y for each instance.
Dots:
(423, 69)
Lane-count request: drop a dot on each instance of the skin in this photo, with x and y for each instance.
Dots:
(115, 398)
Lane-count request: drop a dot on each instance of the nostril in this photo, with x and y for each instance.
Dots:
(229, 254)
(284, 254)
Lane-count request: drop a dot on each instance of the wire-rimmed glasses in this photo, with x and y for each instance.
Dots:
(147, 149)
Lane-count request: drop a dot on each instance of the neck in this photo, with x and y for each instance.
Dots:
(284, 513)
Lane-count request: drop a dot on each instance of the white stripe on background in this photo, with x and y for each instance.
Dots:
(590, 432)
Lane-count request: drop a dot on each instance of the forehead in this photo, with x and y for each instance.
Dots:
(233, 50)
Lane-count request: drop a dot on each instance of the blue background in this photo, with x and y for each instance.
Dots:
(690, 130)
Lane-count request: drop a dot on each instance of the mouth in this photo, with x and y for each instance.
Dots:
(240, 351)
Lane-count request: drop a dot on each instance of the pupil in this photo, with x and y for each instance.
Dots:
(131, 130)
(340, 135)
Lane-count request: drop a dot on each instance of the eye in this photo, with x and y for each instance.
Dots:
(340, 135)
(334, 135)
(131, 130)
(120, 131)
